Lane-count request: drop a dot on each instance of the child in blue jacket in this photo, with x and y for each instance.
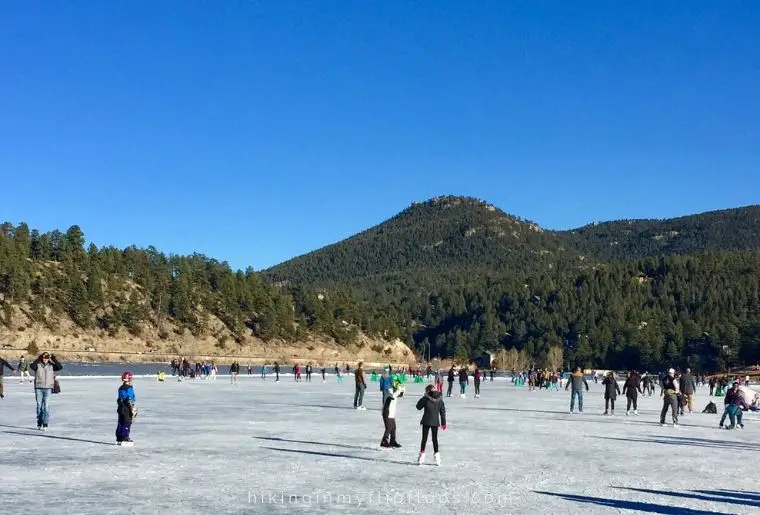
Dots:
(126, 410)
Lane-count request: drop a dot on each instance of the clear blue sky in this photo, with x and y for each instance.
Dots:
(254, 131)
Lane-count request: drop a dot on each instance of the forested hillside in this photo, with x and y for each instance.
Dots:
(451, 276)
(716, 231)
(460, 276)
(51, 279)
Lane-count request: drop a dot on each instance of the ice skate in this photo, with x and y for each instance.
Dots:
(127, 443)
(627, 413)
(395, 445)
(421, 458)
(437, 457)
(606, 412)
(384, 445)
(461, 396)
(635, 412)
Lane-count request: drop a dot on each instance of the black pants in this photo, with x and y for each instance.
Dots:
(477, 388)
(634, 401)
(434, 431)
(389, 436)
(448, 392)
(609, 402)
(669, 401)
(308, 376)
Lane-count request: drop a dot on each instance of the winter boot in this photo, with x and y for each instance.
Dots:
(437, 457)
(421, 458)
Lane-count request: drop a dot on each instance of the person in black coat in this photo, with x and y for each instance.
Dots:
(631, 389)
(451, 381)
(611, 389)
(433, 417)
(669, 397)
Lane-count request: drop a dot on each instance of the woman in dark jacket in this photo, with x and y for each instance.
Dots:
(433, 417)
(464, 380)
(611, 389)
(631, 389)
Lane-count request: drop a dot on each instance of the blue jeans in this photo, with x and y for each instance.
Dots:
(462, 387)
(42, 395)
(579, 394)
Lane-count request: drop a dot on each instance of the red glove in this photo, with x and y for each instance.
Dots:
(443, 427)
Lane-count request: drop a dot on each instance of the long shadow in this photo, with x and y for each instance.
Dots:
(732, 493)
(15, 427)
(338, 455)
(645, 507)
(68, 438)
(697, 496)
(690, 442)
(327, 444)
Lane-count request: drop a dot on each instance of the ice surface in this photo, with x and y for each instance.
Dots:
(260, 447)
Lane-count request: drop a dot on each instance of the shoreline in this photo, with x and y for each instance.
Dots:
(137, 358)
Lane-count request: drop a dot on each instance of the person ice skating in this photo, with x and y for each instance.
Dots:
(577, 381)
(451, 381)
(631, 390)
(476, 382)
(297, 373)
(389, 415)
(360, 387)
(439, 381)
(324, 372)
(669, 397)
(611, 390)
(276, 372)
(687, 387)
(433, 417)
(338, 375)
(126, 410)
(735, 406)
(493, 369)
(44, 368)
(308, 372)
(234, 371)
(23, 370)
(3, 365)
(464, 380)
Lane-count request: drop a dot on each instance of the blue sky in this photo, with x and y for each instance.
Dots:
(254, 131)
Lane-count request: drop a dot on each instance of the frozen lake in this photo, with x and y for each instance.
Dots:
(261, 447)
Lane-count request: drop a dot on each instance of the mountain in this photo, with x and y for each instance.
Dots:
(436, 236)
(445, 235)
(459, 276)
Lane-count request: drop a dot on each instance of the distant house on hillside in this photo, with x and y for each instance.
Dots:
(484, 360)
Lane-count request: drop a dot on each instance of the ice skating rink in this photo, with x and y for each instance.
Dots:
(261, 447)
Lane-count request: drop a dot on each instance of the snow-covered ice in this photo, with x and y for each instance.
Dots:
(260, 447)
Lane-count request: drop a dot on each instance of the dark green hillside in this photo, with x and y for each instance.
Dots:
(715, 231)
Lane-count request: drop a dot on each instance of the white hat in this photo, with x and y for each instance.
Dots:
(671, 371)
